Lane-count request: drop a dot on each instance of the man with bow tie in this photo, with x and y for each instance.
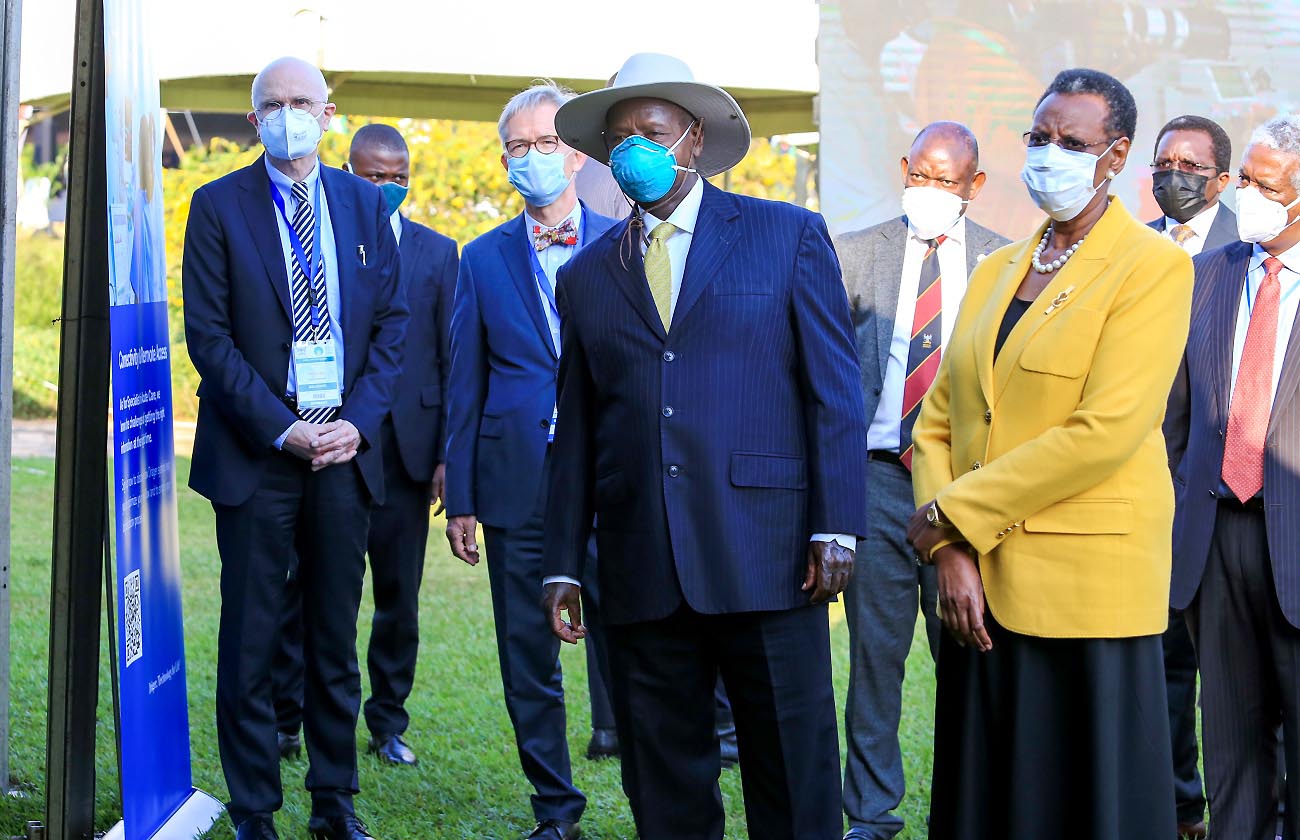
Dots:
(505, 339)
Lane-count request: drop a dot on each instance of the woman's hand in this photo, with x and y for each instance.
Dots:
(923, 536)
(961, 596)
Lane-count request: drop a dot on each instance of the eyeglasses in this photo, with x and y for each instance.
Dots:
(1187, 166)
(546, 144)
(1037, 139)
(273, 110)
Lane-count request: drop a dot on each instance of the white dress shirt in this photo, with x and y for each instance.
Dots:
(284, 185)
(1288, 303)
(1200, 225)
(886, 427)
(396, 221)
(551, 259)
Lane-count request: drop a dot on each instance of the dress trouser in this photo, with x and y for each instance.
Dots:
(398, 534)
(1180, 682)
(777, 670)
(321, 519)
(880, 605)
(1250, 681)
(530, 665)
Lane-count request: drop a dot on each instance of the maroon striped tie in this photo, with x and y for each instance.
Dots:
(1252, 396)
(927, 342)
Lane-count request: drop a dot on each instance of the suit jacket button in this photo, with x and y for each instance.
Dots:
(976, 465)
(669, 356)
(285, 346)
(668, 411)
(988, 415)
(545, 424)
(674, 471)
(875, 391)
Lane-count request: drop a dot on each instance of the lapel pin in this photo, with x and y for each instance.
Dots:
(980, 258)
(361, 252)
(1058, 301)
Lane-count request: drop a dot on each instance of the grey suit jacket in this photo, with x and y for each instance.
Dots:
(1222, 232)
(872, 262)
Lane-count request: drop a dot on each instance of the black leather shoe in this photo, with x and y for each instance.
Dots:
(391, 749)
(603, 744)
(256, 828)
(347, 827)
(290, 745)
(555, 830)
(729, 750)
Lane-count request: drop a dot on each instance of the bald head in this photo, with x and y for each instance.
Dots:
(286, 79)
(944, 155)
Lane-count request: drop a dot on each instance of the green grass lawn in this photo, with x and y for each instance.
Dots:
(468, 784)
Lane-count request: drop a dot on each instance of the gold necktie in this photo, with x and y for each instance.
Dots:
(659, 271)
(1182, 233)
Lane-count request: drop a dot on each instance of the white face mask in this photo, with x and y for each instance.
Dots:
(1260, 219)
(931, 212)
(1060, 181)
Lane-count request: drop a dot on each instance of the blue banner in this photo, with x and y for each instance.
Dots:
(154, 727)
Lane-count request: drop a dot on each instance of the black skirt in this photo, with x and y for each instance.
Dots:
(1052, 738)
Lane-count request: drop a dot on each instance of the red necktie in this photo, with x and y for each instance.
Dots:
(927, 342)
(1252, 396)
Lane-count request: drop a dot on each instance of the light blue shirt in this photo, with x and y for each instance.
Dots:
(284, 184)
(1288, 304)
(551, 261)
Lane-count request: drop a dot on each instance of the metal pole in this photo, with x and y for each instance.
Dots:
(81, 463)
(10, 144)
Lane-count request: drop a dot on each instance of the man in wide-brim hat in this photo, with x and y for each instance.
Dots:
(710, 417)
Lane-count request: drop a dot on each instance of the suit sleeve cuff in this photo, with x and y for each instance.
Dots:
(547, 581)
(279, 442)
(846, 540)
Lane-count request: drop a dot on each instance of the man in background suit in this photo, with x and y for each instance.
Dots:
(900, 275)
(501, 421)
(1233, 431)
(294, 318)
(413, 445)
(1193, 157)
(709, 417)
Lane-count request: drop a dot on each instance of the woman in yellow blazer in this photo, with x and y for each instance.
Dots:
(1047, 505)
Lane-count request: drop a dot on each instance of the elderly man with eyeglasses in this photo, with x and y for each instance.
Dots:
(294, 389)
(505, 340)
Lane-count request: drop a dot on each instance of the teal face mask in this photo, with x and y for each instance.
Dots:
(394, 194)
(646, 170)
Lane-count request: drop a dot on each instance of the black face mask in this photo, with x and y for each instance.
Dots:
(1181, 195)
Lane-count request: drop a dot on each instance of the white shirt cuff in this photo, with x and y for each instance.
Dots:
(547, 581)
(848, 541)
(279, 442)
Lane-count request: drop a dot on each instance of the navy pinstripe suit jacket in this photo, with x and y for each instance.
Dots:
(1197, 421)
(712, 452)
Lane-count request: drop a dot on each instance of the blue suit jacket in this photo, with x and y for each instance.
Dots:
(502, 385)
(429, 265)
(1196, 424)
(710, 453)
(238, 329)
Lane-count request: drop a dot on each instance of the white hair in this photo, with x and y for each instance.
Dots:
(1281, 134)
(540, 92)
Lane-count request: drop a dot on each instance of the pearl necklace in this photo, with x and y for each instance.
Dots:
(1059, 261)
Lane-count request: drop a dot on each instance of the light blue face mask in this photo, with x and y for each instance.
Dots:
(539, 178)
(394, 194)
(1061, 181)
(646, 170)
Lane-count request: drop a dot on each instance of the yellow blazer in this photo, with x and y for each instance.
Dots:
(1051, 461)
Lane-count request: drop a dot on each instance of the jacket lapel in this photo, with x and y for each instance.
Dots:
(259, 215)
(346, 242)
(627, 267)
(1226, 290)
(893, 253)
(1223, 231)
(409, 248)
(514, 252)
(986, 328)
(714, 237)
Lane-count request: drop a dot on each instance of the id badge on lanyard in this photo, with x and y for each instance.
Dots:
(316, 369)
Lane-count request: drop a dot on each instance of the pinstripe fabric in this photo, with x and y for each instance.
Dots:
(710, 457)
(1195, 425)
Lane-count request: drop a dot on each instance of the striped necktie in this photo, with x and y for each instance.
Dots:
(927, 341)
(304, 292)
(1252, 395)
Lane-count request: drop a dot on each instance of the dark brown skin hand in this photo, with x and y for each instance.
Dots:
(922, 535)
(961, 596)
(438, 489)
(830, 565)
(560, 598)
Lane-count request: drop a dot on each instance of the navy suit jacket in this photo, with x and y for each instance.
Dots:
(238, 329)
(713, 452)
(429, 265)
(1222, 232)
(1196, 424)
(502, 387)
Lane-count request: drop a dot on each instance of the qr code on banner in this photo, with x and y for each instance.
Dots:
(134, 641)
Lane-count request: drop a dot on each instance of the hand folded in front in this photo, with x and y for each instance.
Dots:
(961, 596)
(830, 565)
(324, 444)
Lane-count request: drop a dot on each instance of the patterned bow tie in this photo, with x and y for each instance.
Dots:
(565, 234)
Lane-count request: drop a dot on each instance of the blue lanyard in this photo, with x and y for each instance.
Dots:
(299, 252)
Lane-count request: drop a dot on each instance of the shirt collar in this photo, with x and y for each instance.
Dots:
(285, 183)
(396, 221)
(687, 213)
(1200, 223)
(957, 233)
(575, 215)
(1290, 258)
